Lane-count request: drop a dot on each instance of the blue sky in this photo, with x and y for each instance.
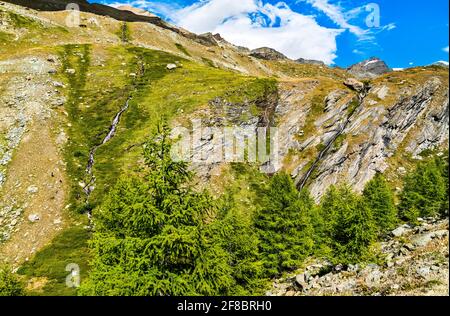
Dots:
(401, 32)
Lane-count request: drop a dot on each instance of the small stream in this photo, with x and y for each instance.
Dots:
(302, 183)
(90, 186)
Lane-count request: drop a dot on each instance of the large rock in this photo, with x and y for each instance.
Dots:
(267, 54)
(354, 84)
(209, 39)
(370, 68)
(402, 230)
(171, 66)
(423, 240)
(310, 62)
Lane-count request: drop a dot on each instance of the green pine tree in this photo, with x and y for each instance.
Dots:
(152, 235)
(283, 223)
(350, 227)
(10, 284)
(241, 241)
(442, 163)
(380, 199)
(425, 190)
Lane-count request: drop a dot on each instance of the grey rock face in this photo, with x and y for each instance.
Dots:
(384, 130)
(370, 68)
(310, 62)
(440, 64)
(267, 54)
(400, 231)
(209, 39)
(403, 268)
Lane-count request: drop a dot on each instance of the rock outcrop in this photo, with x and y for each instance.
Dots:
(310, 62)
(370, 68)
(415, 263)
(416, 120)
(355, 134)
(267, 53)
(209, 39)
(440, 63)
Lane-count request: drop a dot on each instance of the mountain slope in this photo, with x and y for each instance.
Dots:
(66, 90)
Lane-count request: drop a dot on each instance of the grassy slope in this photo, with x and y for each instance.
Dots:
(95, 93)
(96, 88)
(99, 87)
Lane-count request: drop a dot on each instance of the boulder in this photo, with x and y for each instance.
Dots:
(32, 189)
(301, 280)
(354, 84)
(423, 240)
(400, 231)
(267, 53)
(171, 66)
(34, 218)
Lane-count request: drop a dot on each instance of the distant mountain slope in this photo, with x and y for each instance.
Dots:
(68, 89)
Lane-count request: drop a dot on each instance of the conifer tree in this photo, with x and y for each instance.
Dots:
(10, 285)
(240, 240)
(380, 199)
(443, 166)
(283, 223)
(349, 225)
(425, 190)
(151, 235)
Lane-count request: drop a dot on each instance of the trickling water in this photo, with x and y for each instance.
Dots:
(302, 183)
(90, 186)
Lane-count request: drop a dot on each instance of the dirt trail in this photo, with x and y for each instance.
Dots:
(37, 167)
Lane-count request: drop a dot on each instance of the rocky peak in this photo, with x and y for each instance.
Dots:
(136, 11)
(267, 54)
(210, 39)
(369, 68)
(440, 63)
(310, 62)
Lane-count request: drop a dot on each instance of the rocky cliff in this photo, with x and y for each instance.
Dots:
(62, 90)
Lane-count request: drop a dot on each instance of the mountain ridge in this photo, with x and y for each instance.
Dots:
(74, 81)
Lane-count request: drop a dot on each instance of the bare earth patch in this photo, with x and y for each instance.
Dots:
(36, 182)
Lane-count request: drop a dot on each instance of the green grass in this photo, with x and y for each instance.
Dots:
(257, 91)
(70, 246)
(208, 62)
(5, 37)
(246, 186)
(95, 96)
(95, 93)
(339, 142)
(124, 33)
(354, 104)
(182, 49)
(33, 34)
(22, 21)
(76, 57)
(317, 109)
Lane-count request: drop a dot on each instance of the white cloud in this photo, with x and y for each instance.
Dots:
(445, 49)
(253, 24)
(337, 15)
(346, 19)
